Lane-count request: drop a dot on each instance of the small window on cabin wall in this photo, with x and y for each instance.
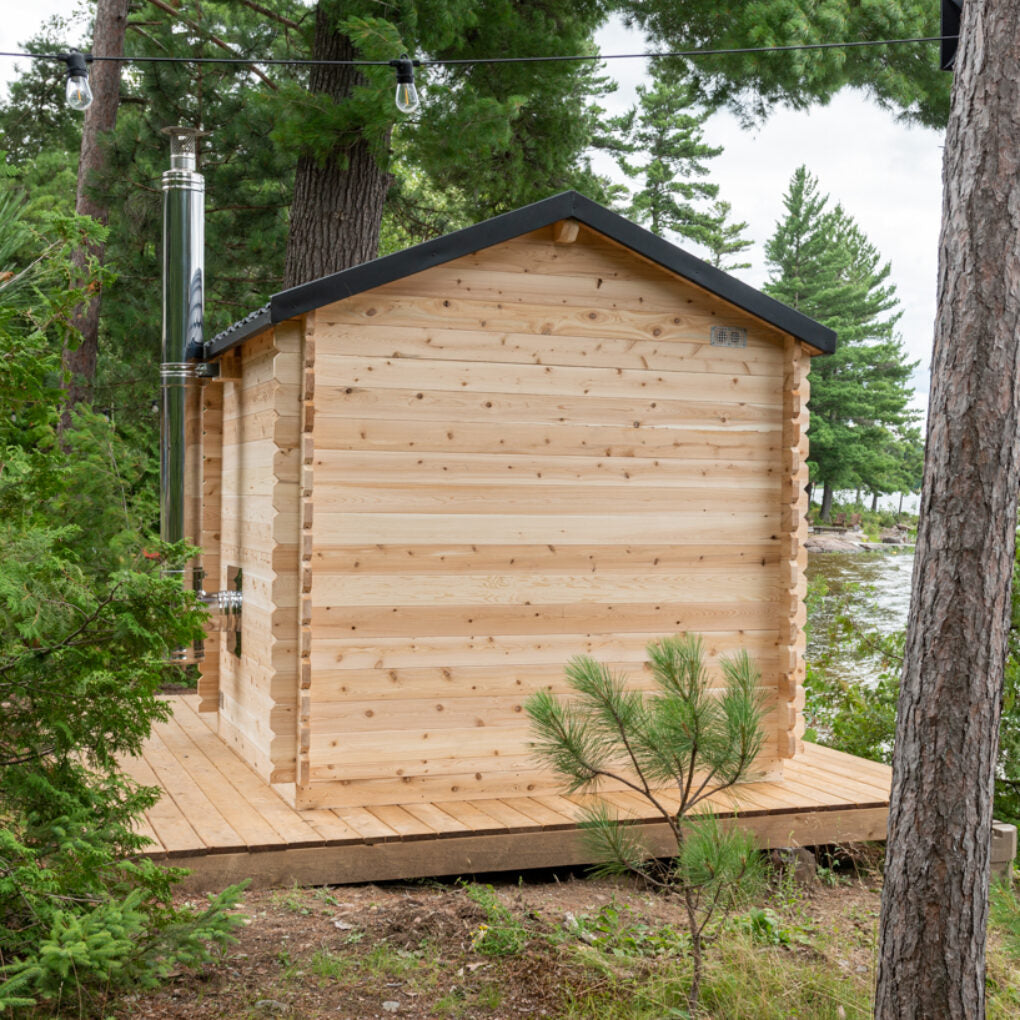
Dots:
(729, 336)
(235, 577)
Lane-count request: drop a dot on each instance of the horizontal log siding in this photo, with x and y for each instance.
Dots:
(525, 455)
(259, 533)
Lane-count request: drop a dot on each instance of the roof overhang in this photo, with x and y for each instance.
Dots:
(296, 301)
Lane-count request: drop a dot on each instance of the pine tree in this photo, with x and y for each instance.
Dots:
(823, 265)
(904, 78)
(501, 135)
(724, 238)
(666, 128)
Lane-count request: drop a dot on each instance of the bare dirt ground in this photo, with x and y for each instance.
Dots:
(502, 951)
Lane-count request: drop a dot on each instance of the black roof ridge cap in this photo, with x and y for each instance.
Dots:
(298, 300)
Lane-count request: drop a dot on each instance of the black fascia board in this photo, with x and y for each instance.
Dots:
(298, 300)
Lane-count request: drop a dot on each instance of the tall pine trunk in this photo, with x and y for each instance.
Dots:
(826, 512)
(100, 117)
(338, 204)
(935, 898)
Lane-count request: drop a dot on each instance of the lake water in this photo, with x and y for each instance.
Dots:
(882, 603)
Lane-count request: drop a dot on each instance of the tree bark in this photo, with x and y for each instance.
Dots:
(826, 512)
(100, 117)
(338, 204)
(935, 903)
(874, 502)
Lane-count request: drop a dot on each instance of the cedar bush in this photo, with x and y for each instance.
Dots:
(86, 621)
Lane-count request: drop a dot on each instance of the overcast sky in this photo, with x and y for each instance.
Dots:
(886, 174)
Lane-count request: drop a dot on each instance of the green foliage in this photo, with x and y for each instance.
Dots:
(764, 926)
(901, 78)
(617, 930)
(85, 626)
(724, 238)
(685, 741)
(501, 934)
(860, 717)
(666, 129)
(823, 265)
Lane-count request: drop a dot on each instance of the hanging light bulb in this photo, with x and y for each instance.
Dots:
(79, 92)
(407, 94)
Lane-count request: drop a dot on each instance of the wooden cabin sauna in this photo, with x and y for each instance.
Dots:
(436, 477)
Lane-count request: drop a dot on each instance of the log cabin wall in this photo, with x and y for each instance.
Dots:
(251, 523)
(525, 454)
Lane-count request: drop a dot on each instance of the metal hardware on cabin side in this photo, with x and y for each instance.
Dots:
(182, 342)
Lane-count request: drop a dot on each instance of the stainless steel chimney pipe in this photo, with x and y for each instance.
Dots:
(183, 309)
(183, 315)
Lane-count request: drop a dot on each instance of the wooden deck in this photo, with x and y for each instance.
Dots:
(218, 818)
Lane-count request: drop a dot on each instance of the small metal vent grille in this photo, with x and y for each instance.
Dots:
(729, 336)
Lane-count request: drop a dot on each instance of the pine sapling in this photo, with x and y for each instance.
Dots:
(676, 748)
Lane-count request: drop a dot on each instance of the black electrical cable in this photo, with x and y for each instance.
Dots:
(682, 54)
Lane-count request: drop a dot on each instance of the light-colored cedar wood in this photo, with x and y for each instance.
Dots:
(249, 825)
(346, 467)
(523, 497)
(379, 687)
(291, 828)
(472, 815)
(698, 295)
(337, 622)
(212, 828)
(401, 821)
(211, 397)
(175, 834)
(520, 780)
(669, 409)
(368, 826)
(467, 855)
(306, 549)
(760, 357)
(467, 295)
(784, 813)
(682, 527)
(141, 827)
(865, 792)
(356, 729)
(348, 373)
(538, 317)
(626, 805)
(587, 440)
(565, 232)
(512, 651)
(707, 585)
(539, 812)
(439, 821)
(333, 829)
(502, 811)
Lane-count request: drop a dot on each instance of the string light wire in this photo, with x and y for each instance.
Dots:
(442, 62)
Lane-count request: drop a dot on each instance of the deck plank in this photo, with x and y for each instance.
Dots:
(513, 819)
(546, 817)
(371, 829)
(291, 828)
(402, 822)
(862, 793)
(250, 827)
(477, 821)
(213, 829)
(213, 798)
(441, 822)
(173, 830)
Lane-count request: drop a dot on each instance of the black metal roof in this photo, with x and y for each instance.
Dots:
(567, 205)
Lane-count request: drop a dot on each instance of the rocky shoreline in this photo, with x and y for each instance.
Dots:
(892, 540)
